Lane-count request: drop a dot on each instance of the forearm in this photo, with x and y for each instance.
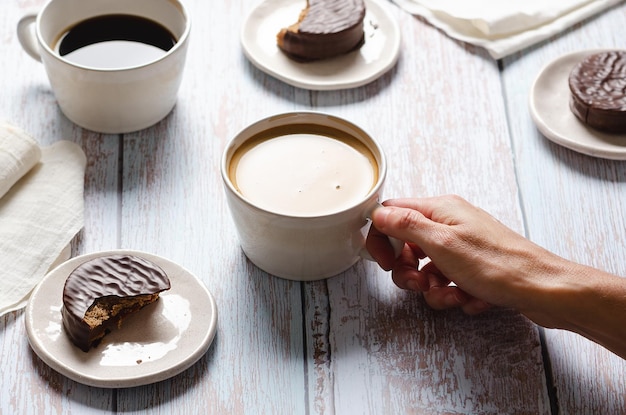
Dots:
(583, 300)
(490, 263)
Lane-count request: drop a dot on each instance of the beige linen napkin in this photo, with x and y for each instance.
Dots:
(504, 27)
(41, 210)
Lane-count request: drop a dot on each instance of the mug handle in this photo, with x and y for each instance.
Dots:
(395, 243)
(26, 35)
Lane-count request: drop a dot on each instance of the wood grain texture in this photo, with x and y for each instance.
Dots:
(450, 120)
(436, 144)
(28, 385)
(573, 205)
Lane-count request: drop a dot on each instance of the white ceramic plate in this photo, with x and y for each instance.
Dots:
(549, 108)
(378, 54)
(157, 343)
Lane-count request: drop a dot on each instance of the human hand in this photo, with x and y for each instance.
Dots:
(488, 262)
(491, 264)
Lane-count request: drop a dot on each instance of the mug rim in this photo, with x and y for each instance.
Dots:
(231, 148)
(180, 43)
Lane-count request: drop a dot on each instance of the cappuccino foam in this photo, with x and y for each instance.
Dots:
(304, 174)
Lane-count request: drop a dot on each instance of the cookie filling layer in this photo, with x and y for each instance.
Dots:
(101, 292)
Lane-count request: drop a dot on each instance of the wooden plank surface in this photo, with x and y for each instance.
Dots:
(450, 121)
(574, 206)
(437, 143)
(28, 386)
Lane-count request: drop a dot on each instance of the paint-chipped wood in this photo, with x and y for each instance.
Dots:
(451, 120)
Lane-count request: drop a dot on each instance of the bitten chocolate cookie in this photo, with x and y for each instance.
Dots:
(598, 91)
(101, 292)
(325, 28)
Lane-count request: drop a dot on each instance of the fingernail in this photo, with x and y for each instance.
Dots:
(379, 215)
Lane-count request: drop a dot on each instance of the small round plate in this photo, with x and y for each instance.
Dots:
(156, 343)
(549, 109)
(378, 54)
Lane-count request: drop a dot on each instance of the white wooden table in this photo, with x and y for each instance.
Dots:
(451, 120)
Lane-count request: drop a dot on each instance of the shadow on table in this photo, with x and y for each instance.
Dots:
(144, 158)
(139, 156)
(321, 99)
(122, 399)
(164, 392)
(9, 319)
(594, 167)
(442, 361)
(583, 387)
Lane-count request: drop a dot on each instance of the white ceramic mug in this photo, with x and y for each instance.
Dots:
(303, 248)
(108, 100)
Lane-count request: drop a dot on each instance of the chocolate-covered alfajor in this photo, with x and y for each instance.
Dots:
(101, 292)
(598, 91)
(325, 28)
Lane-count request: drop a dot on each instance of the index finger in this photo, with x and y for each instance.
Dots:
(441, 209)
(406, 224)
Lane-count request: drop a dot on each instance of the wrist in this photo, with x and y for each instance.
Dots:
(555, 292)
(577, 298)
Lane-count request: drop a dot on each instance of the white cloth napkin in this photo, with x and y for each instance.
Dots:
(41, 210)
(500, 26)
(18, 154)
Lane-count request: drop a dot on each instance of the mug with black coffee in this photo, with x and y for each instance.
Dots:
(115, 66)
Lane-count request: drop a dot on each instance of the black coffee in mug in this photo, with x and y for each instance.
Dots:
(115, 41)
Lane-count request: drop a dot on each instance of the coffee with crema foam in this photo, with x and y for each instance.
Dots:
(303, 170)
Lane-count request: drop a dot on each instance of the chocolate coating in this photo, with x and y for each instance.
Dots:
(116, 284)
(326, 28)
(598, 91)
